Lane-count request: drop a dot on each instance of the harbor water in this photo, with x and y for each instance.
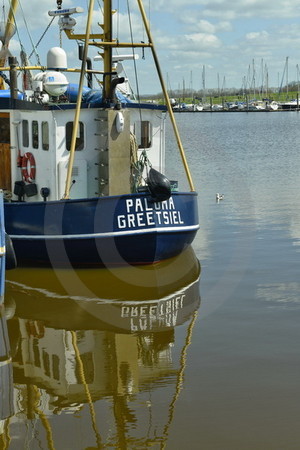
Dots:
(199, 352)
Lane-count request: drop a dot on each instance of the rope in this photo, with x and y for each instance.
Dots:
(133, 149)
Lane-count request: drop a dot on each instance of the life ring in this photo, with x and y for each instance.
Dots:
(28, 173)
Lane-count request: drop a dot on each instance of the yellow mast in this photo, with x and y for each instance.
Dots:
(166, 95)
(106, 44)
(9, 32)
(78, 105)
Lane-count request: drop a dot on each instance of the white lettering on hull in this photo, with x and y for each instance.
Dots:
(163, 314)
(139, 213)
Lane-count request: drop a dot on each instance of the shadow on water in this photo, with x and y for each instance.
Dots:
(98, 356)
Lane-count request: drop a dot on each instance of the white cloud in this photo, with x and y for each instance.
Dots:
(195, 23)
(204, 40)
(229, 10)
(257, 36)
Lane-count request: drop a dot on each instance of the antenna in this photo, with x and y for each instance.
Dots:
(66, 11)
(65, 21)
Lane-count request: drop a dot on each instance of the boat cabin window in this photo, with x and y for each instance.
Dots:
(55, 367)
(4, 130)
(36, 352)
(46, 363)
(143, 132)
(25, 133)
(35, 133)
(79, 139)
(45, 135)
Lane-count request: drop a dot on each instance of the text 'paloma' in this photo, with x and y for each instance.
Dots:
(140, 213)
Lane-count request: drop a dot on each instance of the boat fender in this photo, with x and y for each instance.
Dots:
(10, 256)
(119, 122)
(19, 189)
(28, 167)
(158, 185)
(45, 192)
(30, 189)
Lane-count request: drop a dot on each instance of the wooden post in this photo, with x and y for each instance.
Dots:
(13, 78)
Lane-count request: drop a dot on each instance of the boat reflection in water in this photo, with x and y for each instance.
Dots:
(100, 346)
(6, 381)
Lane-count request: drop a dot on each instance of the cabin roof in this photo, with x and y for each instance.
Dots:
(22, 105)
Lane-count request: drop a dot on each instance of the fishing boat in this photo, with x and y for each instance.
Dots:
(83, 169)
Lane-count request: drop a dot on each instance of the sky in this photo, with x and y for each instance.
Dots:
(200, 43)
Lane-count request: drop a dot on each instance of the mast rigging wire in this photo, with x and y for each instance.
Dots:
(133, 52)
(3, 12)
(30, 38)
(143, 162)
(39, 41)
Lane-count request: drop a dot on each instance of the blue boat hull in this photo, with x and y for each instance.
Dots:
(128, 229)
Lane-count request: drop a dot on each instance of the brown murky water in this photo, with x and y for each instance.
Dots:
(94, 350)
(131, 359)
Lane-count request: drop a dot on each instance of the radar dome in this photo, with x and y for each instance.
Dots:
(56, 59)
